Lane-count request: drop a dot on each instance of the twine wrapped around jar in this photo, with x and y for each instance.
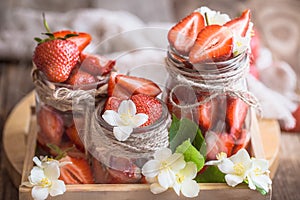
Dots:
(63, 97)
(141, 144)
(214, 77)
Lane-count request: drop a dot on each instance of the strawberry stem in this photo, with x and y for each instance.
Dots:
(46, 24)
(206, 19)
(60, 153)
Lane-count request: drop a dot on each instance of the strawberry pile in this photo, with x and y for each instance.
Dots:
(61, 58)
(191, 37)
(141, 91)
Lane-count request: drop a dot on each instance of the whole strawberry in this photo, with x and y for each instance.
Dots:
(56, 58)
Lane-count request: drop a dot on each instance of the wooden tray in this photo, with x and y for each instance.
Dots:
(17, 129)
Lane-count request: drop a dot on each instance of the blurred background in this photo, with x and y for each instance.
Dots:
(277, 22)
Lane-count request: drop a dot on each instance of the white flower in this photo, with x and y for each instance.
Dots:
(164, 167)
(259, 175)
(44, 179)
(125, 120)
(213, 17)
(220, 158)
(184, 181)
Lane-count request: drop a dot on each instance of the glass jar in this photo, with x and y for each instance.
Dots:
(62, 109)
(121, 162)
(215, 96)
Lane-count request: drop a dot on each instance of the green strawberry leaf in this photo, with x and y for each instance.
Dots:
(184, 129)
(211, 175)
(190, 153)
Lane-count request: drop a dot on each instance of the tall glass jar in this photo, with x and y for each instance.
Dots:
(215, 96)
(121, 161)
(62, 110)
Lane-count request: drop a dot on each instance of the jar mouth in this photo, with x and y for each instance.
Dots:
(182, 62)
(163, 117)
(89, 86)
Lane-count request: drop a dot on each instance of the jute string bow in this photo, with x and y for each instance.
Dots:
(217, 83)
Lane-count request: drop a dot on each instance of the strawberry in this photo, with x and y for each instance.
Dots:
(79, 38)
(116, 90)
(51, 126)
(56, 58)
(217, 143)
(296, 128)
(183, 35)
(72, 133)
(149, 106)
(96, 65)
(242, 142)
(239, 26)
(235, 116)
(137, 85)
(213, 43)
(79, 77)
(112, 103)
(79, 172)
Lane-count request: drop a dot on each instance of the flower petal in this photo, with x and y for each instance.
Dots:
(262, 181)
(190, 188)
(39, 193)
(139, 119)
(127, 107)
(162, 154)
(58, 187)
(242, 156)
(262, 164)
(177, 188)
(52, 171)
(166, 178)
(37, 161)
(155, 188)
(151, 168)
(213, 162)
(36, 175)
(111, 117)
(189, 171)
(233, 180)
(176, 162)
(251, 184)
(226, 166)
(122, 133)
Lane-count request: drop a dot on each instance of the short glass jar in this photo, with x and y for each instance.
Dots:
(62, 110)
(121, 161)
(215, 96)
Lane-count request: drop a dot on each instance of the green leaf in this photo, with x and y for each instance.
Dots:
(184, 129)
(190, 153)
(212, 174)
(39, 40)
(70, 35)
(262, 191)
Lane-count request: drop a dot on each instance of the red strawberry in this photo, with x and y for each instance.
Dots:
(72, 133)
(112, 103)
(79, 172)
(79, 38)
(242, 142)
(137, 85)
(149, 106)
(96, 65)
(235, 116)
(240, 25)
(183, 35)
(213, 43)
(56, 59)
(79, 77)
(217, 143)
(116, 90)
(51, 126)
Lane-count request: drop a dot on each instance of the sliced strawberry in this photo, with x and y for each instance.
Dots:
(213, 43)
(242, 142)
(79, 77)
(96, 65)
(235, 116)
(72, 133)
(137, 85)
(51, 126)
(79, 172)
(114, 90)
(56, 59)
(81, 39)
(217, 143)
(149, 106)
(112, 103)
(183, 35)
(239, 26)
